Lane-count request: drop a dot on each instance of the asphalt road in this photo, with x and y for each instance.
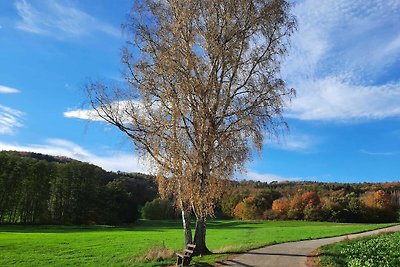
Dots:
(292, 254)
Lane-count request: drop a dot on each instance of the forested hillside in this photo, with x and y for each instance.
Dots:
(43, 189)
(36, 188)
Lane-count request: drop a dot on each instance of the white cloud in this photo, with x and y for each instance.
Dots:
(84, 114)
(114, 161)
(334, 98)
(10, 119)
(121, 108)
(53, 19)
(344, 60)
(8, 90)
(266, 177)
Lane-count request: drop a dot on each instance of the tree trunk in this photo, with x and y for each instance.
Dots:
(200, 237)
(187, 229)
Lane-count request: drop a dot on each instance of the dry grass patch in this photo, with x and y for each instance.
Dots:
(157, 253)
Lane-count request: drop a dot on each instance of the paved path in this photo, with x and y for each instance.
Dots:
(291, 254)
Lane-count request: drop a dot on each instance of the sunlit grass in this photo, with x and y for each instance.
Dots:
(125, 246)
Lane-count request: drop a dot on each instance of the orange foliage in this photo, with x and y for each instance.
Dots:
(238, 211)
(310, 199)
(281, 205)
(246, 209)
(378, 199)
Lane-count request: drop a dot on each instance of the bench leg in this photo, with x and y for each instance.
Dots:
(179, 261)
(186, 261)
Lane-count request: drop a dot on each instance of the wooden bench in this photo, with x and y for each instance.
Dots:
(184, 258)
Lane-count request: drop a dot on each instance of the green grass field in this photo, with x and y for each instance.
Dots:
(372, 251)
(123, 246)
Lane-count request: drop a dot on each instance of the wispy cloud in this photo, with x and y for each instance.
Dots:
(114, 161)
(8, 90)
(10, 119)
(371, 153)
(344, 60)
(84, 114)
(293, 142)
(122, 109)
(54, 19)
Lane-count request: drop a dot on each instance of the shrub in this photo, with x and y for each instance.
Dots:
(158, 209)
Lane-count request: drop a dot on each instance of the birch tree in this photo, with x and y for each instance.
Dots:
(204, 89)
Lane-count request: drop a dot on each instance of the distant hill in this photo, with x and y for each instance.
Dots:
(39, 156)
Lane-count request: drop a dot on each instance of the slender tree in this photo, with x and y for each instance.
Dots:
(204, 88)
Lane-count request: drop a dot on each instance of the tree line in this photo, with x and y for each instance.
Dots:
(42, 189)
(311, 201)
(359, 202)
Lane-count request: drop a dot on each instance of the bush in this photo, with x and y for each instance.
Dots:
(158, 209)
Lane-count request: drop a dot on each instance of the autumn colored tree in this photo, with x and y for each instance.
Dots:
(312, 209)
(378, 199)
(247, 209)
(204, 88)
(229, 202)
(302, 206)
(281, 205)
(239, 210)
(379, 207)
(296, 207)
(341, 206)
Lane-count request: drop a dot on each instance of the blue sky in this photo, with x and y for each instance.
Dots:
(344, 63)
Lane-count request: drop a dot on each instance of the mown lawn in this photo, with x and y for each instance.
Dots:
(123, 246)
(372, 251)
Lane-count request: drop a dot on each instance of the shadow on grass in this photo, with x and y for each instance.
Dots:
(141, 225)
(156, 226)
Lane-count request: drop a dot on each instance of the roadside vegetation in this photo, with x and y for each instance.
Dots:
(372, 251)
(149, 243)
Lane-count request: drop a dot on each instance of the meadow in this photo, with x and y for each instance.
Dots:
(372, 251)
(125, 246)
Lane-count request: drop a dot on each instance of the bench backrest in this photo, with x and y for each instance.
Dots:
(189, 249)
